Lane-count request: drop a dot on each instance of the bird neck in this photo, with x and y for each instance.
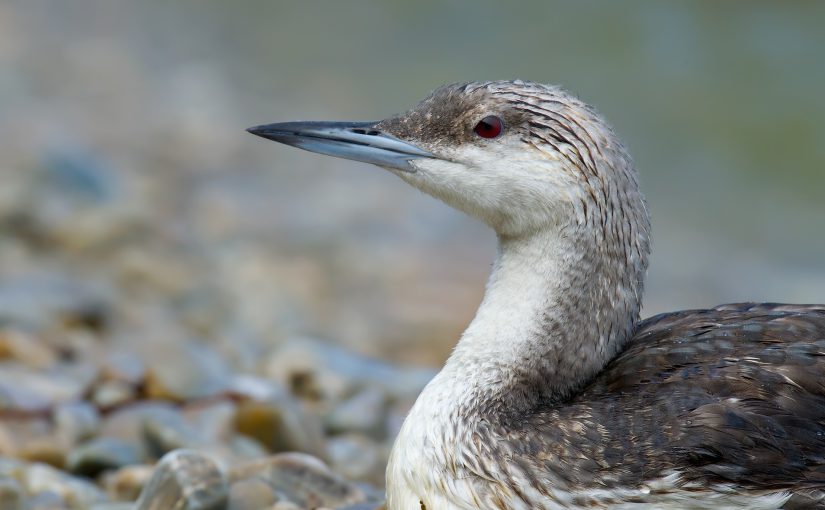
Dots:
(557, 308)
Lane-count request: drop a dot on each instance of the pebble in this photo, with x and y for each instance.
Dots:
(317, 370)
(28, 390)
(11, 494)
(251, 494)
(185, 480)
(126, 423)
(113, 393)
(126, 483)
(271, 416)
(75, 421)
(164, 432)
(358, 457)
(301, 479)
(365, 412)
(75, 492)
(27, 348)
(101, 453)
(184, 370)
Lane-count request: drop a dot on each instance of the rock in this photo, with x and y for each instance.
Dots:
(75, 492)
(364, 412)
(214, 421)
(287, 505)
(184, 370)
(251, 494)
(26, 389)
(185, 480)
(113, 393)
(164, 432)
(12, 468)
(317, 370)
(126, 423)
(44, 300)
(123, 365)
(32, 439)
(358, 458)
(113, 506)
(43, 449)
(28, 349)
(75, 421)
(100, 454)
(126, 483)
(11, 494)
(301, 479)
(46, 500)
(272, 417)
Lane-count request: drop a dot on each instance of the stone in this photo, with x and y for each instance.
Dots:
(26, 348)
(317, 370)
(126, 483)
(43, 300)
(28, 390)
(32, 439)
(164, 432)
(46, 500)
(271, 416)
(126, 423)
(213, 420)
(113, 393)
(301, 479)
(251, 494)
(185, 480)
(75, 492)
(357, 457)
(75, 421)
(12, 496)
(100, 454)
(364, 412)
(184, 370)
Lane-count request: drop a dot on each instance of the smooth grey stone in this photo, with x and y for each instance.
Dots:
(75, 492)
(100, 454)
(122, 505)
(185, 480)
(76, 421)
(365, 412)
(251, 494)
(270, 415)
(184, 370)
(301, 479)
(318, 370)
(11, 494)
(126, 483)
(164, 432)
(358, 457)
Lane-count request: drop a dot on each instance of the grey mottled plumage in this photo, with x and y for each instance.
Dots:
(556, 396)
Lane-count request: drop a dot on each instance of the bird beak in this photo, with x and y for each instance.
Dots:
(359, 141)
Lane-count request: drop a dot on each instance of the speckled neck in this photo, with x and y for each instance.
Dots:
(555, 312)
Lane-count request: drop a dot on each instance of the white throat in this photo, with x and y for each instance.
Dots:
(555, 311)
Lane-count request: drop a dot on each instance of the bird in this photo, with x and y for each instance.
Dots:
(557, 395)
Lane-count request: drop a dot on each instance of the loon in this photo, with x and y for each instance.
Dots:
(557, 396)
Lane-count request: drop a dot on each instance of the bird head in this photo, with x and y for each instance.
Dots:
(518, 155)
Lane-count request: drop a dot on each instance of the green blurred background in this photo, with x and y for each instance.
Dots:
(125, 164)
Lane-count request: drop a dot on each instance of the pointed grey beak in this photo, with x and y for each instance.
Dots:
(359, 141)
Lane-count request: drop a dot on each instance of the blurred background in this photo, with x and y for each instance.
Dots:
(151, 249)
(125, 165)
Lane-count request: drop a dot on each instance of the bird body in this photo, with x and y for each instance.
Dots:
(556, 396)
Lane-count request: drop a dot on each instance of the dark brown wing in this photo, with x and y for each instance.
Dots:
(740, 387)
(734, 394)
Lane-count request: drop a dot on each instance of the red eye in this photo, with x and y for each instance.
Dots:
(489, 127)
